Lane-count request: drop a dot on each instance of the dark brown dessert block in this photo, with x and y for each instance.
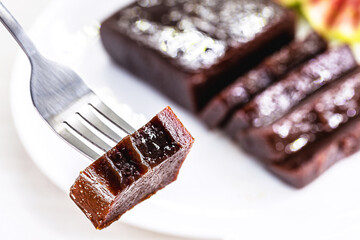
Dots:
(282, 96)
(304, 167)
(191, 49)
(269, 71)
(321, 114)
(137, 167)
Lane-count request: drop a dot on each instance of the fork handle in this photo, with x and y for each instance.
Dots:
(17, 32)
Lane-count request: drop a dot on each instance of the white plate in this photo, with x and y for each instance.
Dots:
(220, 192)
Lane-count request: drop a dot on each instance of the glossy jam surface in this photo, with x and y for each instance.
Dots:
(196, 33)
(275, 67)
(155, 143)
(270, 70)
(251, 83)
(321, 115)
(301, 168)
(128, 173)
(278, 99)
(294, 54)
(127, 162)
(104, 173)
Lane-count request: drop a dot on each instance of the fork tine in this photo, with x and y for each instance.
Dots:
(105, 111)
(57, 92)
(86, 133)
(99, 125)
(76, 142)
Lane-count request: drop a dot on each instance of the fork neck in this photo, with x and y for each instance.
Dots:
(18, 33)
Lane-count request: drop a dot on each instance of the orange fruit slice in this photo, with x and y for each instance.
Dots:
(335, 19)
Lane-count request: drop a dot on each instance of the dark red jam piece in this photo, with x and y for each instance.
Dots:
(191, 49)
(269, 71)
(321, 114)
(133, 170)
(274, 102)
(305, 166)
(154, 143)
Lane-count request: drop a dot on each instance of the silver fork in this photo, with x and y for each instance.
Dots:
(65, 102)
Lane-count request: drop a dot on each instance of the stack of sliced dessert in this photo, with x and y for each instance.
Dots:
(282, 124)
(275, 67)
(297, 120)
(235, 64)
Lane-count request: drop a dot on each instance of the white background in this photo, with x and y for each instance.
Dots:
(31, 207)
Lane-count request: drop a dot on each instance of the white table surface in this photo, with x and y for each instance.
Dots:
(31, 207)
